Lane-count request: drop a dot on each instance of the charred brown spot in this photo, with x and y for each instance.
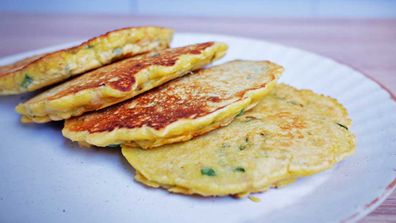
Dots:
(123, 85)
(214, 99)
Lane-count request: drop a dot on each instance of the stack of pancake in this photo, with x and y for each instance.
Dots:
(191, 128)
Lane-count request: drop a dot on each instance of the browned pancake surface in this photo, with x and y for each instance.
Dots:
(189, 97)
(121, 75)
(18, 65)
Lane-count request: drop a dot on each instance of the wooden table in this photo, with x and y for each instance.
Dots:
(367, 45)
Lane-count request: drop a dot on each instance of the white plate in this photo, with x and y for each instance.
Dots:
(46, 178)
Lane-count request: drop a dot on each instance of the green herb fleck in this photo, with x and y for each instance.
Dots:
(208, 171)
(295, 103)
(265, 155)
(89, 46)
(239, 169)
(343, 126)
(153, 55)
(67, 68)
(117, 51)
(113, 145)
(244, 144)
(241, 112)
(27, 80)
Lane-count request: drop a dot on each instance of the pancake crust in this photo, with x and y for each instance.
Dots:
(118, 82)
(289, 134)
(179, 110)
(35, 72)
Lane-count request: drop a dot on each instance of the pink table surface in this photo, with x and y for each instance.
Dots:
(368, 45)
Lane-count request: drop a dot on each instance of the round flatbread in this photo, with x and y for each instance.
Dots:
(43, 70)
(289, 134)
(179, 110)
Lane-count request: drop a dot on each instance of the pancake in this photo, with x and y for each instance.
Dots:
(117, 82)
(179, 110)
(289, 134)
(42, 70)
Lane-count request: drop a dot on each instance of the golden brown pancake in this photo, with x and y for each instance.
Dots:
(179, 110)
(35, 72)
(118, 82)
(290, 134)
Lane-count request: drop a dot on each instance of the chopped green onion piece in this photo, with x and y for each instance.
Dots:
(295, 103)
(343, 126)
(241, 112)
(67, 68)
(153, 55)
(242, 147)
(208, 171)
(239, 169)
(27, 80)
(117, 51)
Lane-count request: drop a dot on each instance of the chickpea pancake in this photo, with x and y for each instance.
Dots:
(290, 134)
(179, 110)
(43, 70)
(118, 82)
